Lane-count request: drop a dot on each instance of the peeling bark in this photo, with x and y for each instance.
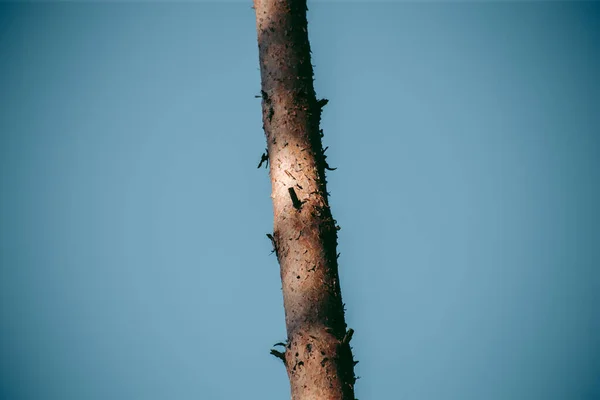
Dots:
(318, 356)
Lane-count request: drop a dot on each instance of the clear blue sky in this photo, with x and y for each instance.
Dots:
(134, 261)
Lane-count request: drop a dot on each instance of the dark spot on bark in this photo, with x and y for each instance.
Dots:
(324, 361)
(295, 200)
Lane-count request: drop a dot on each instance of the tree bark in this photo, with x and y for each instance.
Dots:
(318, 356)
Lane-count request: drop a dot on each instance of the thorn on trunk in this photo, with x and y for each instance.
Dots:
(274, 243)
(348, 336)
(278, 354)
(264, 158)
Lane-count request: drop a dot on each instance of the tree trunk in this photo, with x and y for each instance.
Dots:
(318, 356)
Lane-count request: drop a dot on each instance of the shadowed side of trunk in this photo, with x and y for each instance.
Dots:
(318, 358)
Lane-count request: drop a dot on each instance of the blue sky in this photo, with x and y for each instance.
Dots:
(134, 261)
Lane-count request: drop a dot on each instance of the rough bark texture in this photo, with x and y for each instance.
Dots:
(318, 356)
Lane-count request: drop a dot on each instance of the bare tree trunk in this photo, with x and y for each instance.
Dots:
(318, 356)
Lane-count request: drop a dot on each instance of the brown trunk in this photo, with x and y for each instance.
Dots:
(318, 357)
